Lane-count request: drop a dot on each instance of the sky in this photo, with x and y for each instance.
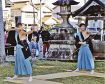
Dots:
(49, 2)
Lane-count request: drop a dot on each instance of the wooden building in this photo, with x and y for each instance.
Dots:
(94, 12)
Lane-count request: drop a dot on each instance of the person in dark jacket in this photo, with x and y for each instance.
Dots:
(35, 33)
(45, 38)
(11, 40)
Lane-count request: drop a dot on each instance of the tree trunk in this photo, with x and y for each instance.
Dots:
(2, 45)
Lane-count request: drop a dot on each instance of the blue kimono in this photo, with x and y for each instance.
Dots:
(22, 65)
(85, 57)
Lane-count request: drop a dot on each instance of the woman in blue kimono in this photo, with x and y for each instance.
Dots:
(84, 43)
(22, 63)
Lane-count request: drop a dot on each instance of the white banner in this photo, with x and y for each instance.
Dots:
(2, 45)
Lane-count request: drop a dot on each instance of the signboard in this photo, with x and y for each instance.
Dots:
(2, 45)
(95, 24)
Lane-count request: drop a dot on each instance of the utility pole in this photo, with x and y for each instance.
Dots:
(2, 45)
(33, 12)
(40, 14)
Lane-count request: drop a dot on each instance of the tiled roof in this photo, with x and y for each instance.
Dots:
(20, 0)
(84, 7)
(18, 6)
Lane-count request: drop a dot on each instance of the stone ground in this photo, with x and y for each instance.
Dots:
(42, 79)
